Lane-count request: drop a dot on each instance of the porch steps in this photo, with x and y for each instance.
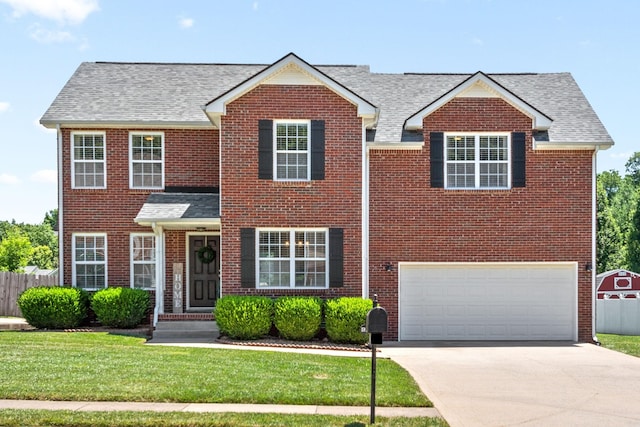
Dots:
(190, 327)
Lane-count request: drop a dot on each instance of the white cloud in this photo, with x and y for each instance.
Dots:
(4, 106)
(477, 41)
(5, 178)
(62, 11)
(42, 35)
(255, 5)
(185, 22)
(46, 176)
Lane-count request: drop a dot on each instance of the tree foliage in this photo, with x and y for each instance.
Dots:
(15, 251)
(618, 220)
(611, 247)
(37, 242)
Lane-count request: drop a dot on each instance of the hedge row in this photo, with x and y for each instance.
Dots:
(56, 307)
(295, 318)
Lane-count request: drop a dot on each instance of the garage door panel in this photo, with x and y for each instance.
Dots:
(487, 301)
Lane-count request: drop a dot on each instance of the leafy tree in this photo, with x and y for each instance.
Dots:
(632, 167)
(15, 251)
(609, 240)
(611, 181)
(43, 258)
(51, 219)
(633, 242)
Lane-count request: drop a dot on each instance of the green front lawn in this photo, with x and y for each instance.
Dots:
(629, 344)
(102, 367)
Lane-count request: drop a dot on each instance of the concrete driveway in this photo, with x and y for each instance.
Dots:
(524, 384)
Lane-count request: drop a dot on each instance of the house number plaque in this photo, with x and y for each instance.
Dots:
(177, 287)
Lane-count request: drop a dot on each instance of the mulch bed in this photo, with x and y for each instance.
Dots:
(280, 342)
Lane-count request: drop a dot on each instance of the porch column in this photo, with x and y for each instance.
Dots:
(160, 282)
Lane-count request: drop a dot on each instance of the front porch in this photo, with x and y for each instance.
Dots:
(185, 327)
(186, 226)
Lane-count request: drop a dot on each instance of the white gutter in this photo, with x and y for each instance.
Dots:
(60, 210)
(365, 215)
(594, 213)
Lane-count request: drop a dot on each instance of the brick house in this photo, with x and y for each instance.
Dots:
(466, 202)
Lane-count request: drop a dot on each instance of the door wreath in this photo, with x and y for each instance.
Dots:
(206, 254)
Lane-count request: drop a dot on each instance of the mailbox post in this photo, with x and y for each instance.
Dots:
(375, 326)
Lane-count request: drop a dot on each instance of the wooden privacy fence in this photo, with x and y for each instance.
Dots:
(13, 284)
(618, 316)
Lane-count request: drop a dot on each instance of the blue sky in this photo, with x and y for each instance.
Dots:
(43, 42)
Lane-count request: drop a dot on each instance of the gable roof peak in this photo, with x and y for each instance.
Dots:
(540, 121)
(217, 107)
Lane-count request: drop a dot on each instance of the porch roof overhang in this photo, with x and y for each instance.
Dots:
(181, 210)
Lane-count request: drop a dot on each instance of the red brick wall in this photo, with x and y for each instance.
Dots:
(191, 159)
(548, 220)
(253, 203)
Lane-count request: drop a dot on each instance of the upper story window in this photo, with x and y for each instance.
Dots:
(146, 154)
(88, 160)
(89, 266)
(292, 148)
(477, 161)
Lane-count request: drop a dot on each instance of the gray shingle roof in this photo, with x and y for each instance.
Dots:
(173, 95)
(161, 207)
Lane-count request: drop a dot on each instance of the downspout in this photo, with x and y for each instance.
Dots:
(594, 208)
(60, 210)
(365, 214)
(220, 206)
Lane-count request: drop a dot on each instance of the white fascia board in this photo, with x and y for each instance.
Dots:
(93, 124)
(559, 145)
(179, 223)
(540, 121)
(217, 107)
(407, 146)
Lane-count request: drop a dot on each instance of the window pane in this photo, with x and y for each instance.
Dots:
(292, 151)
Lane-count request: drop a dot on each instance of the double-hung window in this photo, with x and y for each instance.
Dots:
(88, 160)
(477, 161)
(292, 149)
(293, 258)
(143, 261)
(89, 261)
(146, 154)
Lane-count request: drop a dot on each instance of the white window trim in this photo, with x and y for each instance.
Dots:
(275, 149)
(73, 160)
(162, 147)
(132, 262)
(477, 161)
(292, 258)
(74, 262)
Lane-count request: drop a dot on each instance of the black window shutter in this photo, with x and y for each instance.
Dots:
(336, 257)
(265, 149)
(317, 149)
(437, 159)
(518, 159)
(248, 257)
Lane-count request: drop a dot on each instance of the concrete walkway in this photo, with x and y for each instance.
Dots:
(217, 407)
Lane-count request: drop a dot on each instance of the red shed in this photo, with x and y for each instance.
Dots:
(618, 284)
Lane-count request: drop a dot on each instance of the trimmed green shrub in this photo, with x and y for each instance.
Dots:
(53, 307)
(298, 318)
(120, 307)
(344, 318)
(244, 317)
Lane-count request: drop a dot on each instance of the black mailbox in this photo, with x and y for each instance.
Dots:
(376, 321)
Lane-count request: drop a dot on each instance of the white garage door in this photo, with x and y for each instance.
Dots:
(486, 301)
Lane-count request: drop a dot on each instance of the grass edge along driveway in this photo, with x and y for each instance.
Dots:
(102, 367)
